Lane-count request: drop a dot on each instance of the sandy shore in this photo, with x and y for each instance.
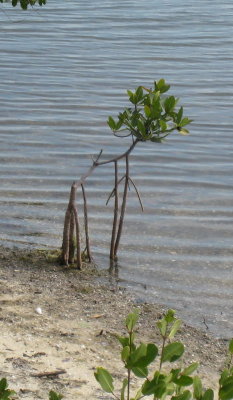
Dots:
(54, 318)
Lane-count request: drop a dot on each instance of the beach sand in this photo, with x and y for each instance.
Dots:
(53, 318)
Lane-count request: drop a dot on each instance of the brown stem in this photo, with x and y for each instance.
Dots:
(123, 206)
(123, 155)
(71, 238)
(86, 224)
(71, 206)
(136, 190)
(66, 237)
(65, 256)
(113, 190)
(114, 225)
(78, 241)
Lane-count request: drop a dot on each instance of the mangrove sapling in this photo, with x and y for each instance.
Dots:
(151, 117)
(173, 382)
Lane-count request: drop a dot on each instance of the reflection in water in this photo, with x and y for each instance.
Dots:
(64, 70)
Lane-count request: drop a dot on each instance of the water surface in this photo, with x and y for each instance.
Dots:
(64, 68)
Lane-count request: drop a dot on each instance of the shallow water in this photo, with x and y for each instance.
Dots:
(63, 70)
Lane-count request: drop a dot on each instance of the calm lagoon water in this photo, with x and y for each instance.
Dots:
(64, 69)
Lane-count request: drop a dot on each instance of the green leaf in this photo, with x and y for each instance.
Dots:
(163, 125)
(105, 379)
(224, 376)
(136, 355)
(14, 3)
(55, 396)
(148, 387)
(169, 104)
(208, 395)
(226, 391)
(125, 353)
(124, 341)
(175, 328)
(197, 388)
(141, 372)
(190, 369)
(156, 139)
(183, 380)
(111, 123)
(124, 384)
(172, 352)
(138, 395)
(162, 325)
(151, 353)
(170, 316)
(231, 346)
(139, 93)
(162, 86)
(186, 395)
(147, 111)
(119, 125)
(141, 127)
(131, 320)
(3, 384)
(185, 121)
(179, 115)
(183, 131)
(143, 356)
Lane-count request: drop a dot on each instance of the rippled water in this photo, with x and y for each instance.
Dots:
(63, 70)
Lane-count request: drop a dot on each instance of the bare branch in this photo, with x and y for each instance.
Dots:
(86, 224)
(113, 190)
(115, 218)
(136, 190)
(123, 206)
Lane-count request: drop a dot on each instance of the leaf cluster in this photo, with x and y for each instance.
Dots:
(175, 383)
(152, 116)
(25, 3)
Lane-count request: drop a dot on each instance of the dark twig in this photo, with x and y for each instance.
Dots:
(204, 322)
(113, 190)
(123, 206)
(71, 238)
(78, 240)
(49, 373)
(86, 224)
(114, 225)
(136, 190)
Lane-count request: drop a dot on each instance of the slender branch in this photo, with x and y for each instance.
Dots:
(71, 238)
(78, 240)
(114, 225)
(86, 224)
(66, 236)
(136, 190)
(122, 136)
(123, 155)
(123, 206)
(113, 190)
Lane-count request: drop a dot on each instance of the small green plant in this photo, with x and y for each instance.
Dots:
(55, 396)
(5, 393)
(175, 383)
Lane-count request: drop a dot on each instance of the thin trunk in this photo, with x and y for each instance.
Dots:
(115, 218)
(123, 207)
(78, 241)
(88, 249)
(71, 238)
(66, 237)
